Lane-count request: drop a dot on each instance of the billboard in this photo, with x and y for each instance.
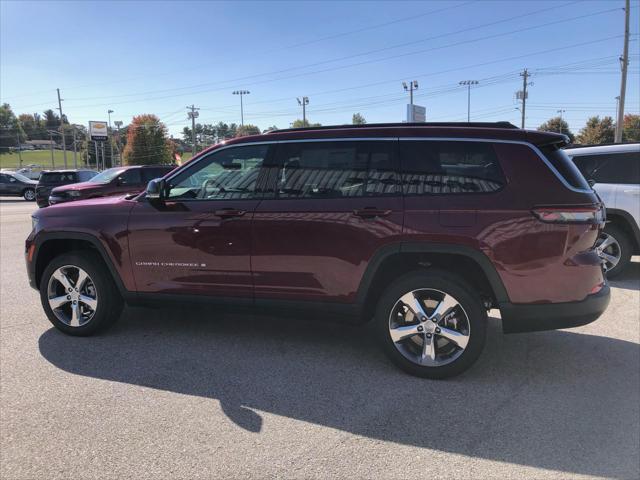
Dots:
(416, 113)
(98, 131)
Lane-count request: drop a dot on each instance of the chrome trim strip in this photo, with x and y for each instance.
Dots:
(423, 139)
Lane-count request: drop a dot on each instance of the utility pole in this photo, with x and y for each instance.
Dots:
(110, 137)
(118, 124)
(522, 94)
(193, 114)
(468, 83)
(64, 146)
(53, 165)
(304, 102)
(19, 148)
(75, 149)
(561, 111)
(623, 81)
(413, 85)
(241, 93)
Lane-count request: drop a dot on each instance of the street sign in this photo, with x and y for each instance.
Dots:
(416, 113)
(98, 131)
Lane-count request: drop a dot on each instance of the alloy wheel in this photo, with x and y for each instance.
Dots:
(72, 295)
(29, 195)
(609, 250)
(429, 327)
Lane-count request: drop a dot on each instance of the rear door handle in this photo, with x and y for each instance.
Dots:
(370, 212)
(229, 212)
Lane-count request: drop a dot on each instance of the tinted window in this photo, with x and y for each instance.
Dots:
(443, 167)
(610, 168)
(58, 178)
(4, 178)
(336, 169)
(130, 177)
(231, 173)
(565, 167)
(149, 174)
(84, 176)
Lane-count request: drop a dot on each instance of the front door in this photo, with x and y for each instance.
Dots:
(337, 203)
(198, 241)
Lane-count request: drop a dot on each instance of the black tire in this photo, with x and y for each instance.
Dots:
(626, 249)
(451, 285)
(29, 194)
(110, 301)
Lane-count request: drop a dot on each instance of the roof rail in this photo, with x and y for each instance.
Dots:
(506, 125)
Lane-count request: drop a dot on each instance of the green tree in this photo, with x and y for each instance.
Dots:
(631, 128)
(10, 128)
(358, 119)
(147, 142)
(272, 128)
(597, 131)
(51, 120)
(557, 125)
(304, 123)
(245, 130)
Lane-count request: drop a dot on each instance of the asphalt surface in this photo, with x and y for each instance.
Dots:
(188, 393)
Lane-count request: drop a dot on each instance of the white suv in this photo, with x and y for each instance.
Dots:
(614, 172)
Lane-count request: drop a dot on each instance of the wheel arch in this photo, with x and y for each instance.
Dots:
(395, 260)
(624, 220)
(52, 244)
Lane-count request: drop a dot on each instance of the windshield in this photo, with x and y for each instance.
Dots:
(21, 178)
(107, 175)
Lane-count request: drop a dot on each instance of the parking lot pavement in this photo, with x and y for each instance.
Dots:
(191, 393)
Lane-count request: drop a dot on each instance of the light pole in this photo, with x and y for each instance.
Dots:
(241, 93)
(304, 102)
(468, 83)
(561, 111)
(118, 124)
(109, 133)
(413, 85)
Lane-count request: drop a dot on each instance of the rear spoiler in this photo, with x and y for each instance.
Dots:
(547, 139)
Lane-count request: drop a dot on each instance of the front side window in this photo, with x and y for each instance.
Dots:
(449, 167)
(130, 177)
(231, 173)
(336, 169)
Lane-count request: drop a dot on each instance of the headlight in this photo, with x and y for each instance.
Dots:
(73, 193)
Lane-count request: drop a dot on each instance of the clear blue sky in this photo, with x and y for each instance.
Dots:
(158, 57)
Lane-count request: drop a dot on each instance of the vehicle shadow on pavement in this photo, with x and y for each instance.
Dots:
(629, 279)
(556, 400)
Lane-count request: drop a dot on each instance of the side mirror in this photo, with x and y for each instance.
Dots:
(591, 182)
(156, 190)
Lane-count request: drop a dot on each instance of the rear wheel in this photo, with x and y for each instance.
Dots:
(614, 247)
(431, 324)
(78, 294)
(29, 194)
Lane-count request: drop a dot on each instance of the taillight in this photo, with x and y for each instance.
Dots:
(593, 215)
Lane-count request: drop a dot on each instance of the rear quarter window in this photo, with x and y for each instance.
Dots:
(559, 159)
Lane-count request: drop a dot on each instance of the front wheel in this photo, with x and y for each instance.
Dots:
(431, 324)
(78, 295)
(29, 194)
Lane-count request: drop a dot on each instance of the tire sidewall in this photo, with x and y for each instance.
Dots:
(451, 285)
(26, 192)
(625, 249)
(91, 264)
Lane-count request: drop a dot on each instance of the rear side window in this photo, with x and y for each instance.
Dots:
(610, 168)
(565, 167)
(337, 169)
(449, 167)
(58, 178)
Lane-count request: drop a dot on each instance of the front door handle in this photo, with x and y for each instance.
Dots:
(229, 213)
(370, 212)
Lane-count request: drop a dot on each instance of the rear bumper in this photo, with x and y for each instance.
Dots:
(518, 318)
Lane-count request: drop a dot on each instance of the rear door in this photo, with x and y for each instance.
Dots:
(336, 203)
(596, 168)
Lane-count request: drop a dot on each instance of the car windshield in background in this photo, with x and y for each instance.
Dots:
(21, 178)
(107, 175)
(57, 177)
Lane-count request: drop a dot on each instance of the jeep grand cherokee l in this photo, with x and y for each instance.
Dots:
(113, 181)
(55, 178)
(420, 228)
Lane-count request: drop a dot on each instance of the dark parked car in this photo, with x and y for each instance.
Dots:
(56, 178)
(114, 181)
(14, 184)
(420, 228)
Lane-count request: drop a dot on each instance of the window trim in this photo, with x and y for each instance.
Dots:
(535, 149)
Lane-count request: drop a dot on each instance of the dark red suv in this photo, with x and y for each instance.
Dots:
(420, 228)
(113, 181)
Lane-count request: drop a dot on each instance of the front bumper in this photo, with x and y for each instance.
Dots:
(518, 318)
